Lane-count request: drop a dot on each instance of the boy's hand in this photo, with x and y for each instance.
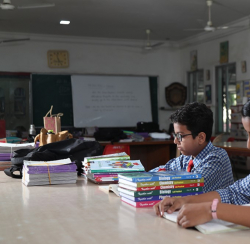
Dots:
(169, 205)
(194, 214)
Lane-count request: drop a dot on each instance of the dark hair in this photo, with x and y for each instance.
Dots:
(197, 117)
(245, 112)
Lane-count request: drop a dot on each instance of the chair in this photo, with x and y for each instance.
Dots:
(218, 138)
(109, 149)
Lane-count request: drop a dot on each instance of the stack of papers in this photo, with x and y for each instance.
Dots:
(5, 156)
(156, 135)
(50, 172)
(11, 147)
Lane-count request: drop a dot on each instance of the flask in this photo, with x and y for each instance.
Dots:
(32, 133)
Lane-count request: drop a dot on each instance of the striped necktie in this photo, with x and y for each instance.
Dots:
(190, 165)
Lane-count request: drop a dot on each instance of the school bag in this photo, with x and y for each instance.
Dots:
(75, 149)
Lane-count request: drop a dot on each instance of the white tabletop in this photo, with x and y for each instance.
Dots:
(81, 213)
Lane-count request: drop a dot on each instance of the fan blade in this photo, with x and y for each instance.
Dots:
(194, 29)
(231, 27)
(15, 40)
(37, 6)
(157, 44)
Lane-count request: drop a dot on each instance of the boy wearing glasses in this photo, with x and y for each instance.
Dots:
(193, 125)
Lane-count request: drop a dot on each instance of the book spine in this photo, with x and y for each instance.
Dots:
(161, 197)
(165, 178)
(103, 180)
(169, 187)
(167, 191)
(121, 158)
(115, 170)
(105, 175)
(162, 183)
(147, 204)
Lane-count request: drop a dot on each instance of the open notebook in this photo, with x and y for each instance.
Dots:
(213, 226)
(110, 188)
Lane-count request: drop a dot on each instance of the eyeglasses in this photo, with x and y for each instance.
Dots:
(180, 136)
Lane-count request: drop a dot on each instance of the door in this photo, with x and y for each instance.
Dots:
(196, 86)
(14, 101)
(226, 96)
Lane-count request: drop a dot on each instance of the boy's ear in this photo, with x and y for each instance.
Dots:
(201, 137)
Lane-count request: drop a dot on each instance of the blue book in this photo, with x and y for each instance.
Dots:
(159, 176)
(159, 197)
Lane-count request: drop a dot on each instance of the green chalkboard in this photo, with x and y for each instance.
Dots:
(53, 90)
(154, 98)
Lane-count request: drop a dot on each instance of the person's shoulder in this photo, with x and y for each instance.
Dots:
(211, 151)
(218, 150)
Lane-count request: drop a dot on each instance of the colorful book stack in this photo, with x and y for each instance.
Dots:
(55, 172)
(105, 169)
(109, 157)
(146, 189)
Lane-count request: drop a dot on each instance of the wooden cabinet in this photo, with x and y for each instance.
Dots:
(152, 153)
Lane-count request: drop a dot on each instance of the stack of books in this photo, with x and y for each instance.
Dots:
(105, 169)
(146, 189)
(6, 151)
(49, 173)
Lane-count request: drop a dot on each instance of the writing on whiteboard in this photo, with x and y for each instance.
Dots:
(110, 101)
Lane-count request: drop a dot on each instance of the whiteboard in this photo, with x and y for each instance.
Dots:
(110, 101)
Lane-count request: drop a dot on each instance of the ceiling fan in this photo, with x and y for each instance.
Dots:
(209, 27)
(6, 5)
(148, 45)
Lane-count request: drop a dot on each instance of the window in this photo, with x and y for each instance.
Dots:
(196, 86)
(14, 100)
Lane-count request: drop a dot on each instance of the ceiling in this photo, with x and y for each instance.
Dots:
(123, 19)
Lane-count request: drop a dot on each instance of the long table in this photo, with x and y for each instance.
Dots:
(81, 213)
(238, 148)
(237, 151)
(152, 153)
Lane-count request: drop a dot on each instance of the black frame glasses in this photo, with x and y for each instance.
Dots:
(179, 136)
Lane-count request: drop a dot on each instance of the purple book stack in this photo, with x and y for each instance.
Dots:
(5, 156)
(49, 174)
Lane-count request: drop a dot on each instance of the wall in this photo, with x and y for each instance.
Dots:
(95, 56)
(208, 49)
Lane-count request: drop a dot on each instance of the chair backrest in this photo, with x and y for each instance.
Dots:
(218, 138)
(109, 149)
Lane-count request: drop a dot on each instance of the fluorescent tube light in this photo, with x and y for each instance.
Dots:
(64, 22)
